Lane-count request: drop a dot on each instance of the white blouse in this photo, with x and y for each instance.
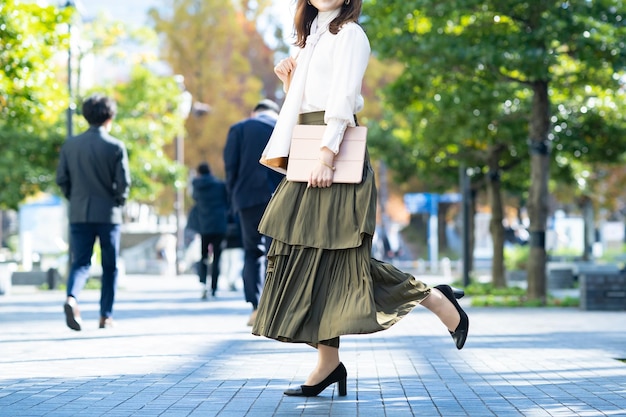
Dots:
(334, 78)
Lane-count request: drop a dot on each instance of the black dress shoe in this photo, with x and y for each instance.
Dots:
(72, 315)
(339, 375)
(458, 293)
(459, 335)
(106, 323)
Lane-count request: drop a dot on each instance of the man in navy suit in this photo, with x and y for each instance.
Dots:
(250, 187)
(94, 176)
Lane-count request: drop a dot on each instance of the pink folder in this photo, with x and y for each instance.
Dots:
(305, 150)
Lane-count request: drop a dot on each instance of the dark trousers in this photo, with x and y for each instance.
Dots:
(255, 247)
(214, 241)
(82, 239)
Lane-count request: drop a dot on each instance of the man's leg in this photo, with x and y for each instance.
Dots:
(254, 253)
(109, 236)
(82, 238)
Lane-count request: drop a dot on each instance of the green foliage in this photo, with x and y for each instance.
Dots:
(614, 255)
(148, 119)
(486, 295)
(33, 103)
(516, 257)
(30, 36)
(485, 79)
(93, 283)
(467, 87)
(30, 104)
(477, 288)
(520, 301)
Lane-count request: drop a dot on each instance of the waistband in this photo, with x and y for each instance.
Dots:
(315, 118)
(312, 118)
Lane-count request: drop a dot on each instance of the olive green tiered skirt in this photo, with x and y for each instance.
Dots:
(321, 280)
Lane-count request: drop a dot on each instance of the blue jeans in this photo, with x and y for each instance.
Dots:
(82, 238)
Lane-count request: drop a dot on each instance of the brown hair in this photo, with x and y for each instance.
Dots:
(306, 13)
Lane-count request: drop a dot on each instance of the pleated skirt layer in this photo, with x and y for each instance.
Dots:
(321, 280)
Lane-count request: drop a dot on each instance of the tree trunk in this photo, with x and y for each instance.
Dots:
(472, 224)
(442, 226)
(1, 227)
(497, 214)
(538, 194)
(589, 228)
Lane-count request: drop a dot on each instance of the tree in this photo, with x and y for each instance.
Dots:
(521, 44)
(32, 102)
(460, 120)
(147, 121)
(225, 62)
(31, 99)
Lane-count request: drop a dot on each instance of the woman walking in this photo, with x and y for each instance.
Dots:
(321, 281)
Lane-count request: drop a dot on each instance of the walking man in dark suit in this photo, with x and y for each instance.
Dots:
(251, 186)
(94, 176)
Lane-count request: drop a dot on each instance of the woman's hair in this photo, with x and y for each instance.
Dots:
(306, 13)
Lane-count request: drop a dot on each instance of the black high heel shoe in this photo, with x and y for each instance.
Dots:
(458, 293)
(339, 375)
(459, 335)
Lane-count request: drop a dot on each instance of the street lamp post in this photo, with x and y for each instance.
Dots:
(187, 107)
(76, 5)
(70, 101)
(466, 211)
(184, 108)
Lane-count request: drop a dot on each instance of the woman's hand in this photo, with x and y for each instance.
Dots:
(284, 69)
(322, 175)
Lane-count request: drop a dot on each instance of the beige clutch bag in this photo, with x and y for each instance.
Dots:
(305, 150)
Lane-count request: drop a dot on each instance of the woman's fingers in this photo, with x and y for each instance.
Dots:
(320, 178)
(285, 66)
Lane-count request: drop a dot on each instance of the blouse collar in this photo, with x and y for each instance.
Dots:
(324, 18)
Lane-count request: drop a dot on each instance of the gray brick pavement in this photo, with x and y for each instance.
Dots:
(174, 355)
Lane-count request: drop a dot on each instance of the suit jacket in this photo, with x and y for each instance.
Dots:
(94, 176)
(249, 183)
(209, 214)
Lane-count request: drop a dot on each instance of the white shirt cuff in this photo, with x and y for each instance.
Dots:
(333, 135)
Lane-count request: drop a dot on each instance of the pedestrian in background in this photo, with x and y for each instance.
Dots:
(250, 186)
(321, 280)
(232, 255)
(93, 175)
(208, 217)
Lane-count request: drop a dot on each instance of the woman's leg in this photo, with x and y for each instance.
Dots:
(204, 258)
(216, 246)
(327, 362)
(443, 308)
(441, 301)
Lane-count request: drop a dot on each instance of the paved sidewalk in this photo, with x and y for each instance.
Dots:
(175, 355)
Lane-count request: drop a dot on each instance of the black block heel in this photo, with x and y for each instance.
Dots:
(343, 387)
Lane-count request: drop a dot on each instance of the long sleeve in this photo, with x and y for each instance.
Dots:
(333, 135)
(122, 178)
(63, 177)
(345, 57)
(350, 56)
(231, 157)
